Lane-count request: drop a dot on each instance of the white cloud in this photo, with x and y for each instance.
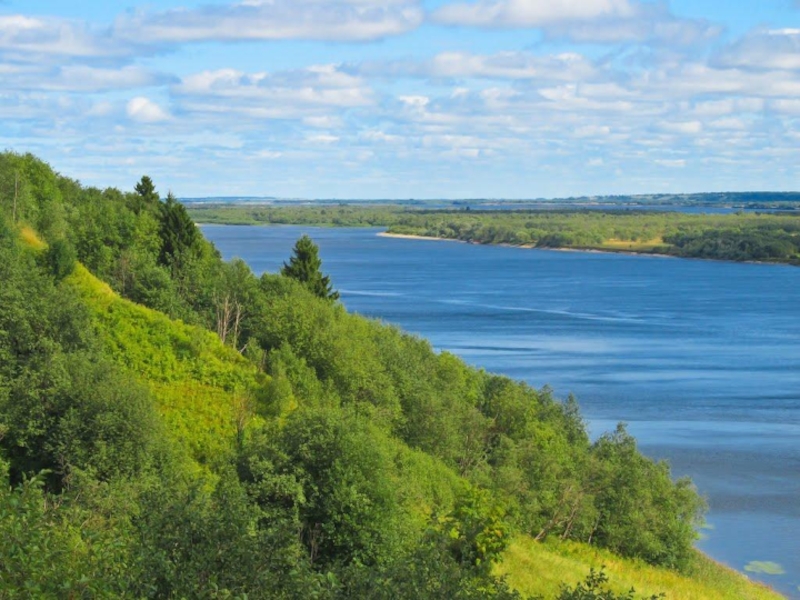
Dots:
(322, 138)
(79, 78)
(374, 135)
(764, 50)
(334, 20)
(730, 123)
(28, 39)
(86, 78)
(603, 21)
(692, 79)
(672, 163)
(566, 66)
(592, 131)
(268, 154)
(682, 127)
(526, 13)
(415, 101)
(100, 109)
(144, 110)
(292, 91)
(786, 106)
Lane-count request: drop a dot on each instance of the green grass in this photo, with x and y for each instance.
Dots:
(203, 389)
(539, 568)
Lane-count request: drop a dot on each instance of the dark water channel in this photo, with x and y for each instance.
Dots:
(700, 358)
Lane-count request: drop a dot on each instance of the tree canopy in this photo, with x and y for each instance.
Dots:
(304, 266)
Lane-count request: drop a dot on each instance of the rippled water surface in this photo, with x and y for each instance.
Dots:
(700, 358)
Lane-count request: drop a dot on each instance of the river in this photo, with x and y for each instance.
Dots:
(700, 358)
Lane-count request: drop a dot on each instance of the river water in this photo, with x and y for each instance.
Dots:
(700, 358)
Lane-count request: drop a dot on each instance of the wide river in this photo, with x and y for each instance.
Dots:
(700, 358)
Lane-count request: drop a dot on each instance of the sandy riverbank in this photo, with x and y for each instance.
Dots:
(408, 236)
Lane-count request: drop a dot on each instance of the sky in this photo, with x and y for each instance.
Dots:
(406, 98)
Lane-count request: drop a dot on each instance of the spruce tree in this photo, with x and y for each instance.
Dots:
(179, 234)
(304, 265)
(146, 195)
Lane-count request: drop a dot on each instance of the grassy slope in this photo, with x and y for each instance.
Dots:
(202, 388)
(539, 568)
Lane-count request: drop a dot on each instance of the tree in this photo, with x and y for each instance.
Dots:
(305, 265)
(178, 232)
(147, 195)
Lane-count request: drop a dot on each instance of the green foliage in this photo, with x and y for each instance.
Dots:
(147, 196)
(595, 588)
(349, 510)
(196, 544)
(475, 531)
(271, 445)
(304, 266)
(60, 258)
(39, 557)
(642, 513)
(179, 235)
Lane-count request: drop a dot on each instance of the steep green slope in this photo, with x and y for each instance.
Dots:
(536, 568)
(271, 443)
(205, 391)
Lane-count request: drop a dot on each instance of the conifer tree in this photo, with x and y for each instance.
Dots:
(179, 234)
(304, 265)
(146, 195)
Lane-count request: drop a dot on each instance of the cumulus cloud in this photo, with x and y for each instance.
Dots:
(604, 21)
(27, 39)
(144, 110)
(333, 20)
(524, 13)
(682, 127)
(692, 79)
(764, 49)
(521, 65)
(79, 78)
(672, 163)
(659, 98)
(304, 93)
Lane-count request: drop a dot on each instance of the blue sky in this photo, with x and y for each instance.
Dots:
(406, 98)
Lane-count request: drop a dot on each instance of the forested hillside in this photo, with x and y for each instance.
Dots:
(173, 426)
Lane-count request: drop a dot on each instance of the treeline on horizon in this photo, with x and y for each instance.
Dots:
(173, 426)
(768, 237)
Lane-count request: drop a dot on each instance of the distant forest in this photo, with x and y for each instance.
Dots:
(740, 236)
(734, 200)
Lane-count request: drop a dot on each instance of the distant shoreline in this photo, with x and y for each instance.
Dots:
(409, 236)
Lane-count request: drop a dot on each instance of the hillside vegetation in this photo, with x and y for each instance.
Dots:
(172, 426)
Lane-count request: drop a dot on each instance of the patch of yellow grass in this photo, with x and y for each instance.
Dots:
(97, 291)
(633, 246)
(540, 568)
(31, 239)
